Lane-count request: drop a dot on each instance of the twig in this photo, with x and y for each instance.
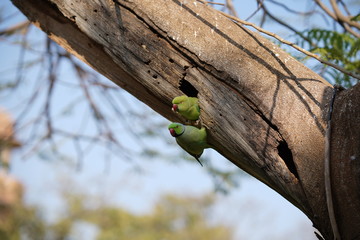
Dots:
(214, 3)
(266, 11)
(53, 64)
(19, 73)
(341, 17)
(293, 45)
(260, 3)
(13, 29)
(291, 10)
(231, 8)
(79, 152)
(345, 7)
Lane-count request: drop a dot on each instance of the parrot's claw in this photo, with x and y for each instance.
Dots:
(197, 159)
(198, 123)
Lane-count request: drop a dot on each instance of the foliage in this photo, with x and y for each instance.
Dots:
(172, 218)
(342, 48)
(20, 220)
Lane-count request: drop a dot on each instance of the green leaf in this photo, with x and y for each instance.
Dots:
(356, 18)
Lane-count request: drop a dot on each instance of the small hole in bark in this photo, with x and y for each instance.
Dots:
(286, 154)
(187, 88)
(147, 63)
(154, 76)
(171, 60)
(95, 10)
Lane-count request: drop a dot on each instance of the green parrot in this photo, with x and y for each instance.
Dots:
(187, 107)
(191, 139)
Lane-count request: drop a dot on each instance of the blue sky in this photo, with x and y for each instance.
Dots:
(253, 209)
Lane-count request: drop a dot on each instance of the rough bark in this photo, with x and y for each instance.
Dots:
(264, 111)
(345, 164)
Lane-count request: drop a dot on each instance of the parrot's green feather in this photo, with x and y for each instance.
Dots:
(191, 139)
(188, 107)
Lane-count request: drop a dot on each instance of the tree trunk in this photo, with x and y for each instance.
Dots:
(345, 165)
(264, 111)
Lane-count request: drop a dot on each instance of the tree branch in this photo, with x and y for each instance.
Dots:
(263, 110)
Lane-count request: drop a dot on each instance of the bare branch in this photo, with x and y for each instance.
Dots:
(325, 9)
(15, 28)
(344, 24)
(208, 2)
(291, 10)
(260, 3)
(230, 6)
(80, 153)
(339, 15)
(345, 7)
(52, 79)
(267, 12)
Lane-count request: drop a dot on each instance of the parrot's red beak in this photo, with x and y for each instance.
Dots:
(175, 108)
(172, 132)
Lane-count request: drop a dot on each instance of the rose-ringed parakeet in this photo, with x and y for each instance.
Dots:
(191, 139)
(186, 106)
